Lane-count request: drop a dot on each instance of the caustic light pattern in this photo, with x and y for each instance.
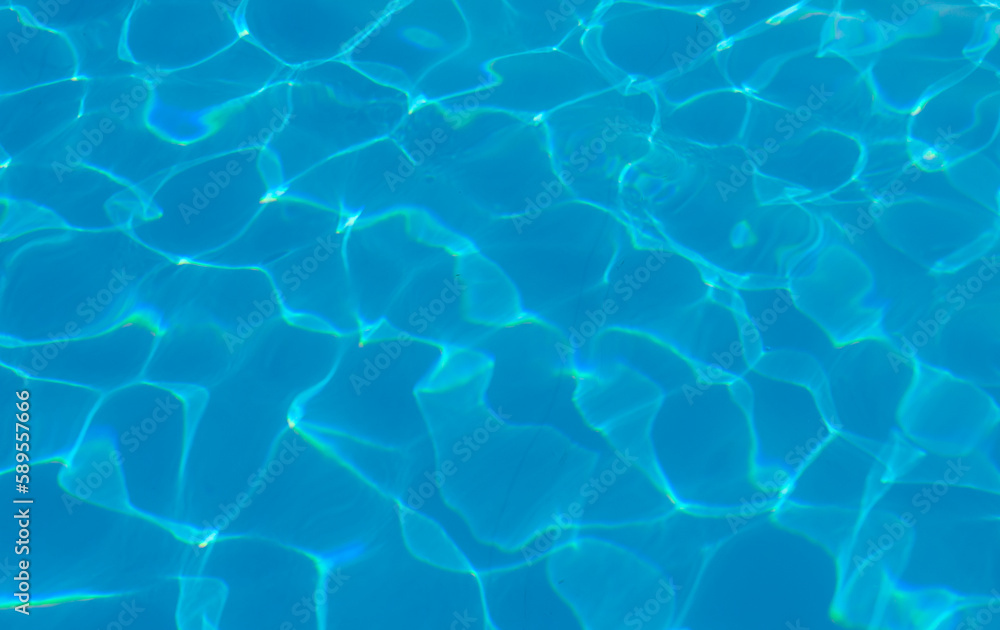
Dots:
(502, 314)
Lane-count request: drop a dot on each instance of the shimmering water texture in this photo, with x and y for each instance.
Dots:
(503, 314)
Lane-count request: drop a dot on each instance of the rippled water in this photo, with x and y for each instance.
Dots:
(502, 314)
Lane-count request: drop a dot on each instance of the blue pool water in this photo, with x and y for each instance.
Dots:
(500, 314)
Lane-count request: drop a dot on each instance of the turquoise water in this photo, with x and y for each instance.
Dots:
(501, 314)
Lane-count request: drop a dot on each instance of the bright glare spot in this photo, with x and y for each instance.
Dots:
(779, 18)
(930, 155)
(244, 33)
(183, 261)
(205, 542)
(417, 104)
(273, 196)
